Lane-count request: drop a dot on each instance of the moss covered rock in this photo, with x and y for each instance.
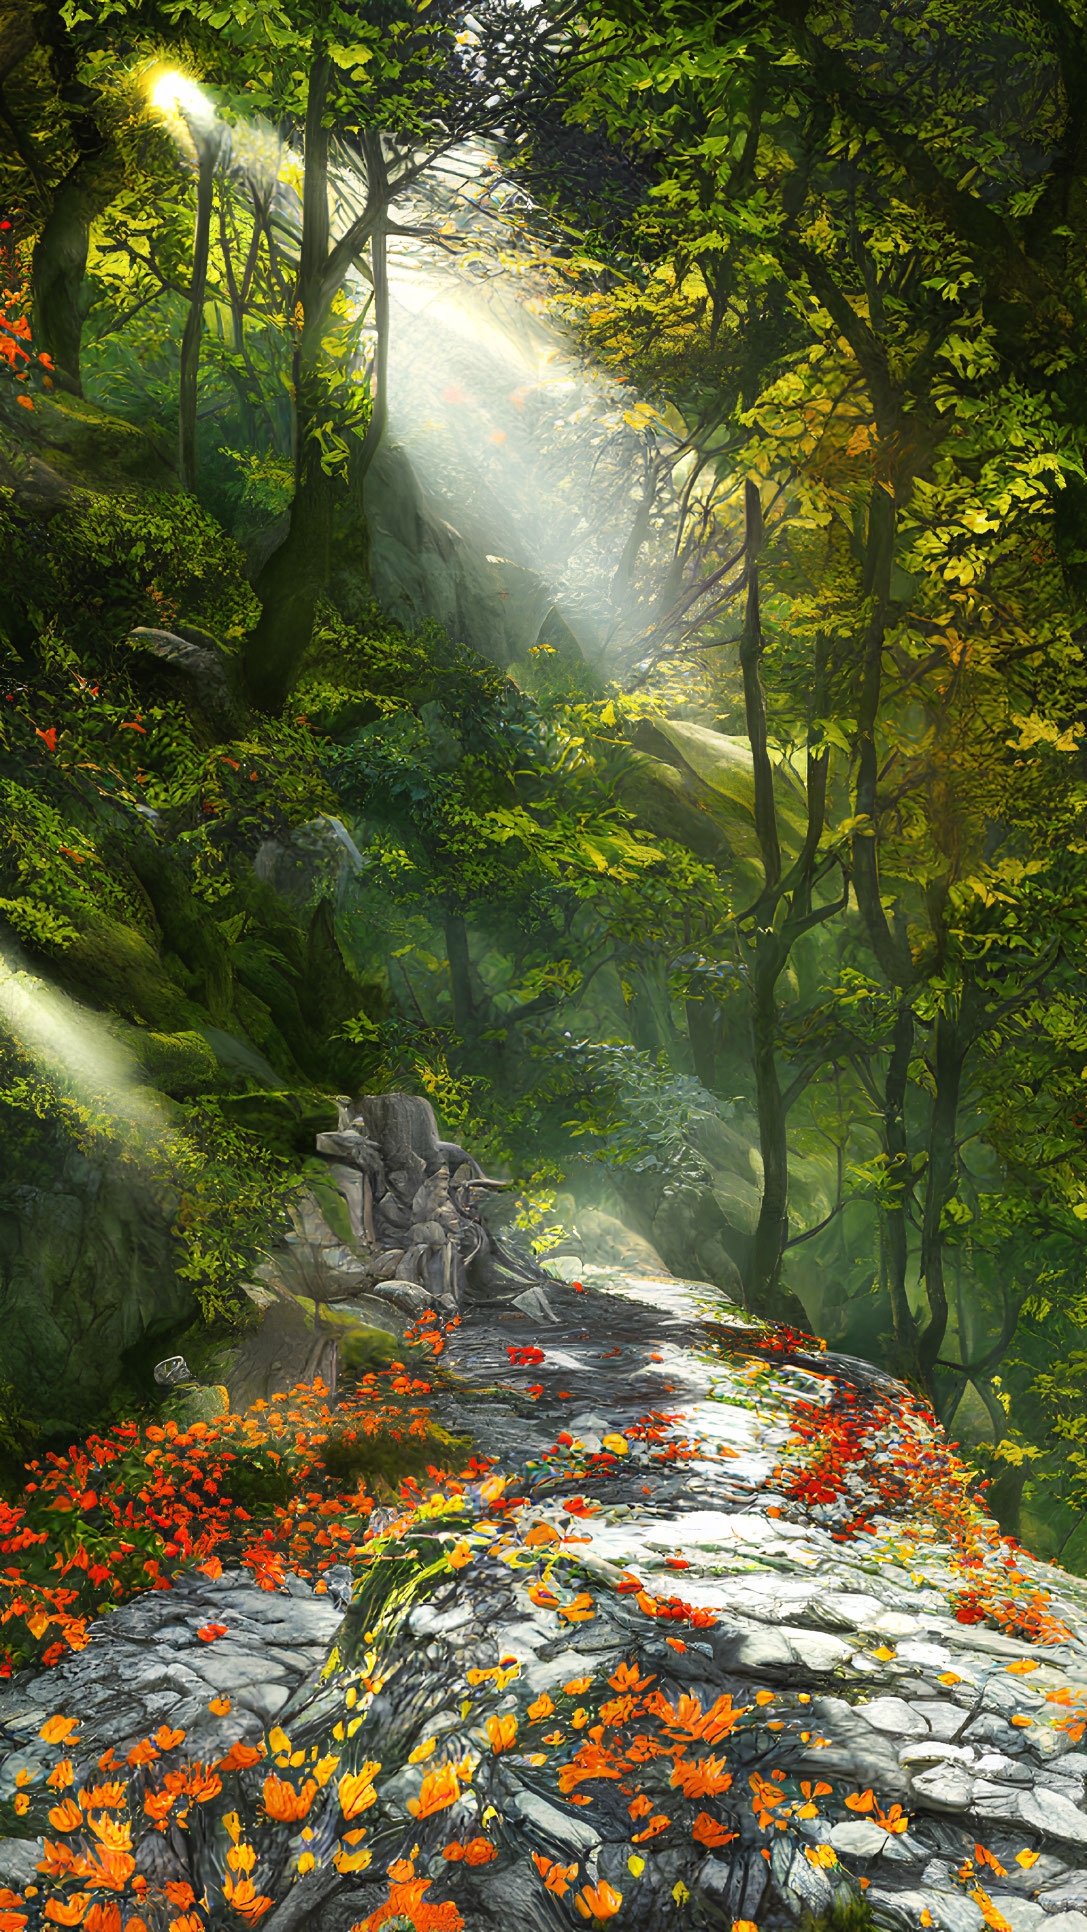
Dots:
(88, 1269)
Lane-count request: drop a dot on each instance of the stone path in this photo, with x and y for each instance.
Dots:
(854, 1676)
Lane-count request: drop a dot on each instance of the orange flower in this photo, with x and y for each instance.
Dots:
(502, 1733)
(656, 1824)
(542, 1707)
(114, 1832)
(706, 1779)
(68, 1911)
(239, 1757)
(208, 1632)
(167, 1739)
(66, 1816)
(244, 1898)
(600, 1901)
(820, 1854)
(580, 1610)
(577, 1686)
(283, 1802)
(897, 1820)
(406, 1901)
(479, 1851)
(556, 1877)
(56, 1728)
(219, 1706)
(438, 1789)
(707, 1831)
(356, 1790)
(103, 1918)
(12, 1921)
(99, 1795)
(61, 1774)
(861, 1800)
(460, 1554)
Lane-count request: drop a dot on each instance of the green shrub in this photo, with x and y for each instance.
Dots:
(104, 564)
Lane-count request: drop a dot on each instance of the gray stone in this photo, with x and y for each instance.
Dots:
(918, 1756)
(944, 1719)
(737, 1886)
(1066, 1893)
(949, 1911)
(1022, 1914)
(535, 1303)
(264, 1700)
(893, 1715)
(229, 1670)
(815, 1649)
(19, 1860)
(946, 1787)
(808, 1884)
(557, 1826)
(861, 1837)
(1054, 1815)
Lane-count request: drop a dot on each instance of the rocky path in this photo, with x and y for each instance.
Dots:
(640, 1665)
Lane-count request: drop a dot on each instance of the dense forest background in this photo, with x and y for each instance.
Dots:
(684, 791)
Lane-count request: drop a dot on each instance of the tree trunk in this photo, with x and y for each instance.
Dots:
(460, 978)
(295, 574)
(1004, 1499)
(59, 267)
(701, 1035)
(896, 1153)
(194, 321)
(949, 1053)
(893, 958)
(379, 415)
(772, 1230)
(770, 954)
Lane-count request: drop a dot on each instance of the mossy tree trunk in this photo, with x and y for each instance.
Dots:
(297, 573)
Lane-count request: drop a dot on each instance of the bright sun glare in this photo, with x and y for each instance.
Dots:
(175, 94)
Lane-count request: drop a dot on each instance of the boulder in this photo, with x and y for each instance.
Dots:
(88, 1270)
(72, 444)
